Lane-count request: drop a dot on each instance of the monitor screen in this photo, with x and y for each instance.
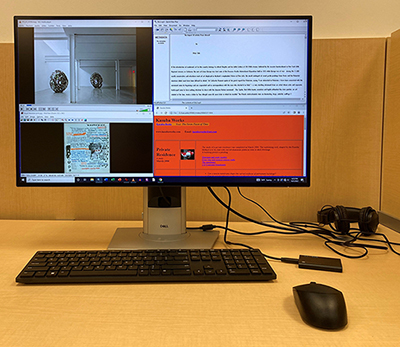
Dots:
(148, 101)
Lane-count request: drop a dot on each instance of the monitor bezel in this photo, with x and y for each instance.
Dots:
(210, 180)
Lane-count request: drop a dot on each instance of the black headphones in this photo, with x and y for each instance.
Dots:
(366, 217)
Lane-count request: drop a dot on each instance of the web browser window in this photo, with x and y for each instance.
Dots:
(231, 97)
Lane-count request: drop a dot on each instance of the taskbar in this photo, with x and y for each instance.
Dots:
(167, 180)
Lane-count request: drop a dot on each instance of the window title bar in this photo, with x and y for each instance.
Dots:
(89, 23)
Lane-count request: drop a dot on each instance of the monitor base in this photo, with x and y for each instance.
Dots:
(135, 238)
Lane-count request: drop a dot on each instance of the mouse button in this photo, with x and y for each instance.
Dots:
(313, 287)
(311, 301)
(307, 310)
(326, 311)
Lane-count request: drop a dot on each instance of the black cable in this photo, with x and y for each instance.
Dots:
(343, 244)
(382, 241)
(168, 202)
(288, 228)
(386, 241)
(348, 243)
(285, 259)
(389, 243)
(261, 207)
(253, 233)
(226, 228)
(228, 207)
(297, 228)
(227, 216)
(311, 225)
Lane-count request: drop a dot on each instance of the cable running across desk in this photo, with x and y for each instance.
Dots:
(331, 237)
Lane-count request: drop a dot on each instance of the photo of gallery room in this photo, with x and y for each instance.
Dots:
(85, 65)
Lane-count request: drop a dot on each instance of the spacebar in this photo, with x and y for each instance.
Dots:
(102, 273)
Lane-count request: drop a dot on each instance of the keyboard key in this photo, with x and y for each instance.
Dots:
(52, 274)
(37, 268)
(182, 272)
(103, 273)
(40, 274)
(239, 271)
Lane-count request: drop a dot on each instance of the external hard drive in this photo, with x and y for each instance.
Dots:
(320, 263)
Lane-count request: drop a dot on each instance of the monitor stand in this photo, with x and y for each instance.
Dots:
(164, 224)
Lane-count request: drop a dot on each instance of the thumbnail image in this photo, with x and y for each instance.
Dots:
(87, 147)
(85, 66)
(187, 154)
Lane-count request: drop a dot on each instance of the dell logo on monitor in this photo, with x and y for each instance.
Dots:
(163, 225)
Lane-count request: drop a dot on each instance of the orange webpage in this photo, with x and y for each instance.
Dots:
(228, 145)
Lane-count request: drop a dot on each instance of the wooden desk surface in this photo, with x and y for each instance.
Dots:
(207, 314)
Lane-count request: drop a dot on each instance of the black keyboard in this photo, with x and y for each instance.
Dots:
(183, 265)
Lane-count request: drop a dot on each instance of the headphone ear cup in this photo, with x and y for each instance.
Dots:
(368, 220)
(325, 215)
(341, 221)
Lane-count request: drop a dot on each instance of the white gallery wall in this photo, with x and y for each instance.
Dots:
(332, 19)
(51, 55)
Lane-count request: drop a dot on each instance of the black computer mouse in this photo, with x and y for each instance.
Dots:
(321, 306)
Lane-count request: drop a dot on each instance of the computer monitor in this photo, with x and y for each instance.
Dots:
(163, 103)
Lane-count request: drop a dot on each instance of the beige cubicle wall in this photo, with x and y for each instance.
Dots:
(347, 109)
(390, 200)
